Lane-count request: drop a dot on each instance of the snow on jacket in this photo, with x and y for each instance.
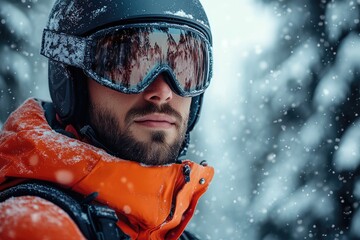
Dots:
(142, 196)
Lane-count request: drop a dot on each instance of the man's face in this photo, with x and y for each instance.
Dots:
(148, 127)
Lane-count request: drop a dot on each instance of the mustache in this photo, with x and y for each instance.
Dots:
(152, 108)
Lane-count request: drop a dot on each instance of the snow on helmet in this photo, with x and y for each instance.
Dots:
(80, 18)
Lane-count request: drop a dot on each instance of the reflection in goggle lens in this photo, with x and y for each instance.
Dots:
(130, 58)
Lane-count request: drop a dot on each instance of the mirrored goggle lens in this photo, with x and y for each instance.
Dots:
(128, 59)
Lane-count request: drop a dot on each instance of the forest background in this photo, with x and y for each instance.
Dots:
(280, 122)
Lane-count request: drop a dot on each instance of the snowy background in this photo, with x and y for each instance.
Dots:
(280, 122)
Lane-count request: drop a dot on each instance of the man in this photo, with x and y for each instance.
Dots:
(103, 160)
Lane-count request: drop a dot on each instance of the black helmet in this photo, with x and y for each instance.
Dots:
(80, 18)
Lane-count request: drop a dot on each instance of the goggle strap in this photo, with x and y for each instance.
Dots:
(64, 48)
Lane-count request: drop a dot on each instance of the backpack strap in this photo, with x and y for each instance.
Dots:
(94, 221)
(103, 222)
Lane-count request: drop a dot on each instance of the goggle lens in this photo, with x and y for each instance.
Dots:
(128, 58)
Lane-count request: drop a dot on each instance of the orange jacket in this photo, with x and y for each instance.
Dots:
(141, 195)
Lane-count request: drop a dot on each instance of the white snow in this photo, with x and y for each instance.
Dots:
(127, 209)
(64, 176)
(99, 11)
(180, 13)
(347, 157)
(28, 207)
(341, 15)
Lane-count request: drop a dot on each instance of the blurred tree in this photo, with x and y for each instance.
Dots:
(22, 68)
(290, 158)
(305, 100)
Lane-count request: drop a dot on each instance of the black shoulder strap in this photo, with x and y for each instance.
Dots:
(94, 221)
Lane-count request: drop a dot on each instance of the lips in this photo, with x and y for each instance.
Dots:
(156, 120)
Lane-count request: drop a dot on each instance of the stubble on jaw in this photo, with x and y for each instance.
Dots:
(122, 143)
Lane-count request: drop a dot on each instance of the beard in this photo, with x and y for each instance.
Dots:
(122, 143)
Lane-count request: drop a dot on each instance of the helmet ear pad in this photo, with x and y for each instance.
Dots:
(195, 109)
(68, 91)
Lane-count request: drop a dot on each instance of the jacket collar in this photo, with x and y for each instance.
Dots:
(152, 202)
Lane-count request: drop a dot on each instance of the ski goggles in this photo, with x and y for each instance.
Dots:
(129, 58)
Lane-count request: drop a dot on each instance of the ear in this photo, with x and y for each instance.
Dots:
(61, 88)
(68, 91)
(195, 109)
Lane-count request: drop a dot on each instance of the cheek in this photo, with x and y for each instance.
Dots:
(184, 107)
(106, 100)
(97, 93)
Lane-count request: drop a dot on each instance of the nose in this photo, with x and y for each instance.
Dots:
(158, 92)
